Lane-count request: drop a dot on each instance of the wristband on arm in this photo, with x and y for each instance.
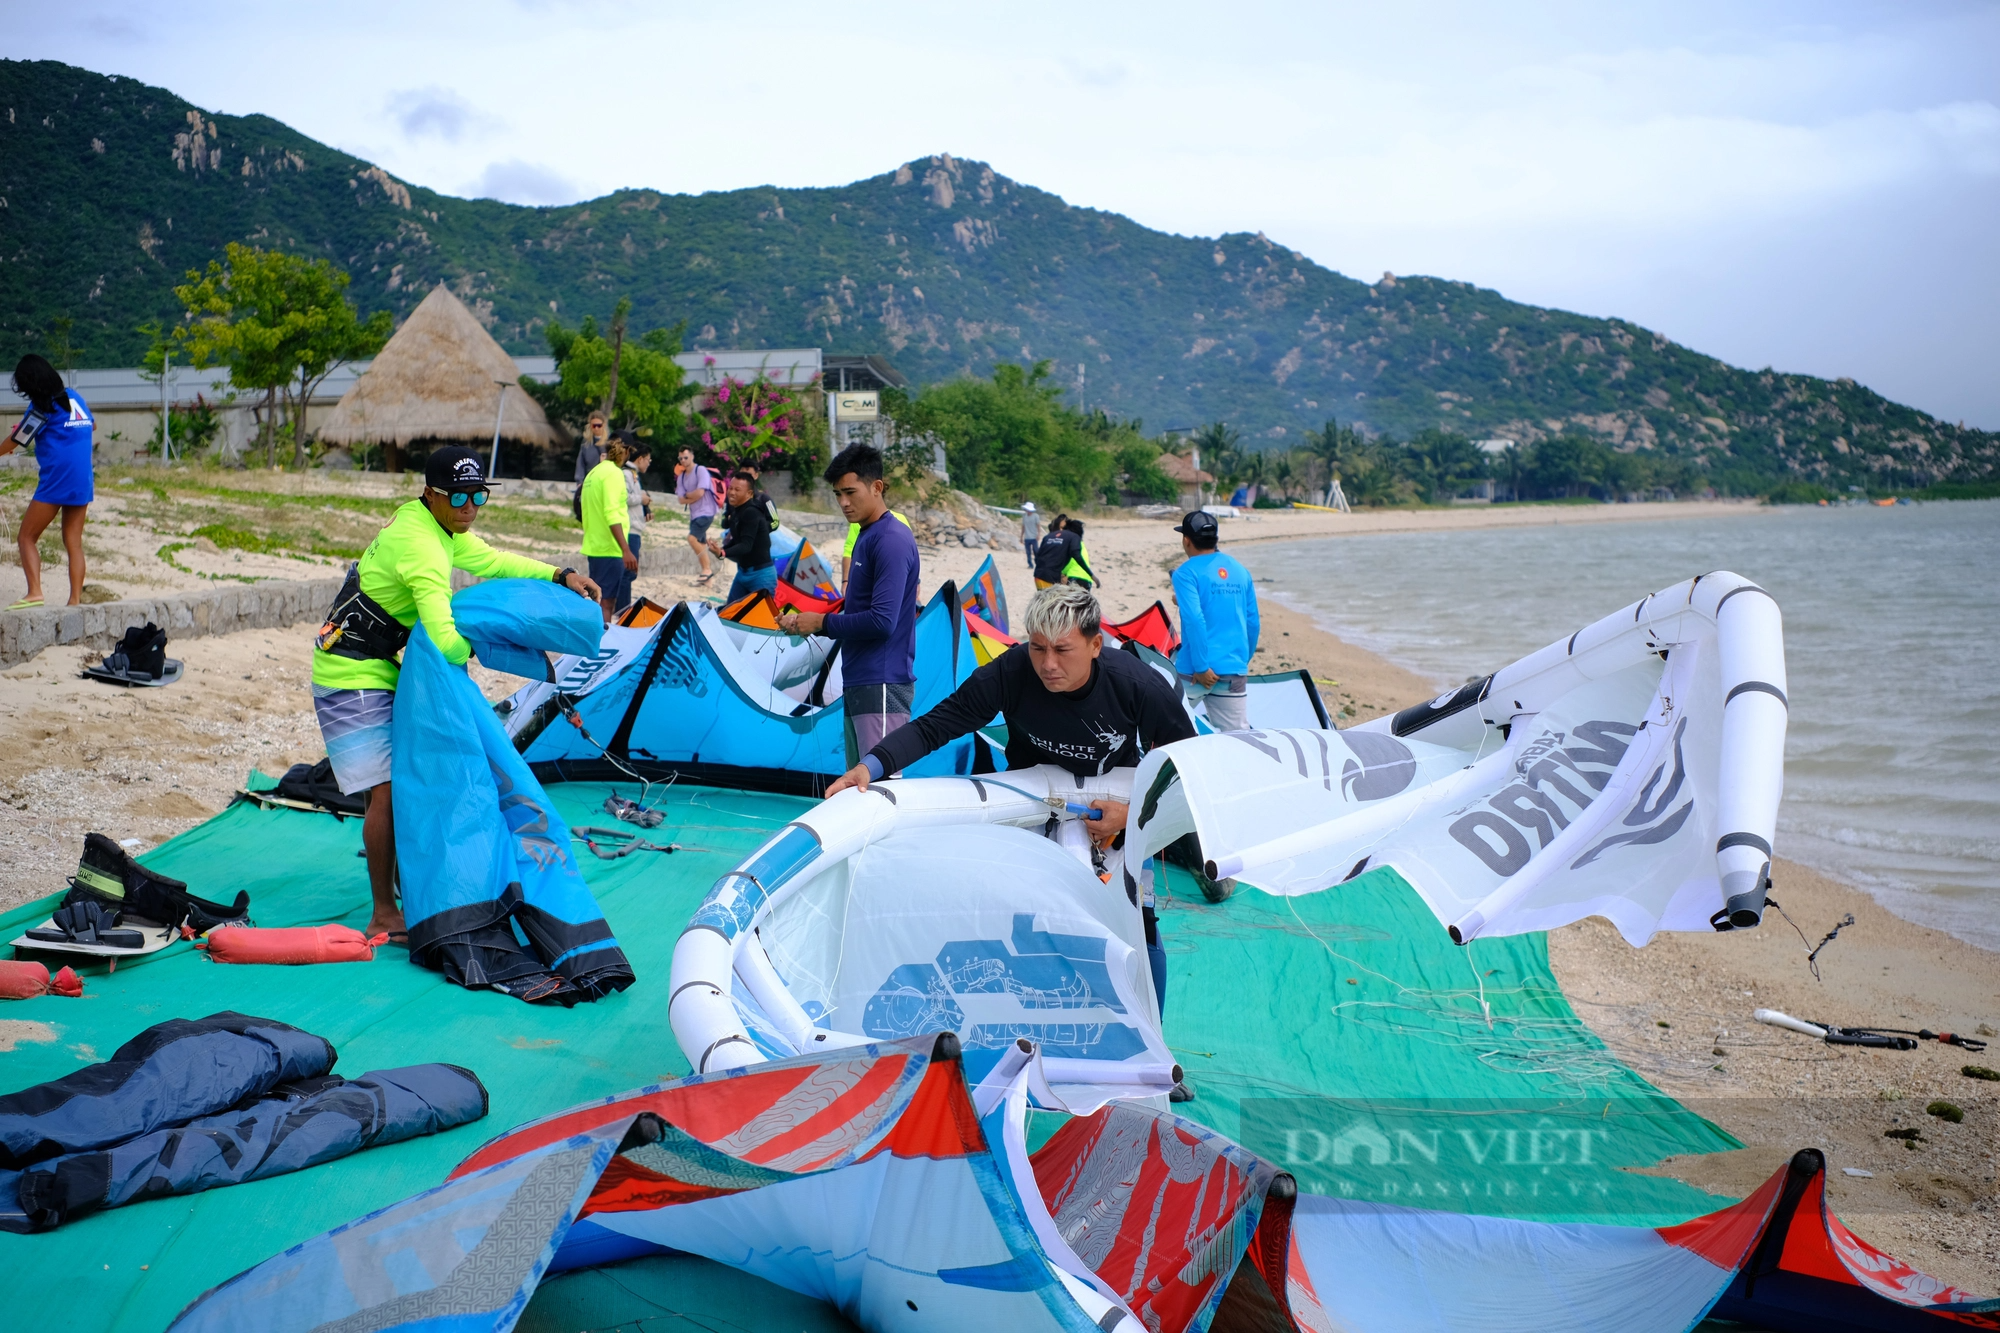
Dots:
(874, 767)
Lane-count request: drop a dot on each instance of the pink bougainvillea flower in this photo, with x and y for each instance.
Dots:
(724, 395)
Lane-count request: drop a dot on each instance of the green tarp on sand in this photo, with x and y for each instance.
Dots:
(1393, 1087)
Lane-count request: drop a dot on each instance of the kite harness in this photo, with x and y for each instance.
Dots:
(357, 627)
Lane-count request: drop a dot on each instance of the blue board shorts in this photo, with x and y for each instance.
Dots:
(698, 527)
(747, 581)
(355, 725)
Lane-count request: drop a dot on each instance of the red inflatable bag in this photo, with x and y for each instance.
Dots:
(26, 980)
(292, 945)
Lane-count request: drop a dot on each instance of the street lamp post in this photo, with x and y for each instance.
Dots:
(499, 415)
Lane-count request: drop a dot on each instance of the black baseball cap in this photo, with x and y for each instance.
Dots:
(456, 468)
(1198, 527)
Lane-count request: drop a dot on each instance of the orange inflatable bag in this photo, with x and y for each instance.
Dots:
(26, 980)
(290, 945)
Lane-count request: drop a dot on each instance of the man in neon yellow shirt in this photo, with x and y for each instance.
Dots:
(853, 536)
(403, 577)
(610, 558)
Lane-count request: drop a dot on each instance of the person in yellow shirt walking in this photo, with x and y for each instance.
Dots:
(402, 578)
(610, 558)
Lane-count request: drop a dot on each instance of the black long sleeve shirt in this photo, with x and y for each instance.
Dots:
(1055, 553)
(748, 541)
(1125, 709)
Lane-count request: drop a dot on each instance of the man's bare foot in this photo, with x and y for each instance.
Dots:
(390, 924)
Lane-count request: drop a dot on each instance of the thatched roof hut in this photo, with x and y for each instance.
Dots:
(438, 381)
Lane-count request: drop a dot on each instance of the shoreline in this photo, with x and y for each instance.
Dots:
(76, 755)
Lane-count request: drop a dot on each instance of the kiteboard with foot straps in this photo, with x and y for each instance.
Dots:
(139, 659)
(117, 907)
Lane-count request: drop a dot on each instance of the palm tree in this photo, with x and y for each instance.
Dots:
(1283, 470)
(1333, 445)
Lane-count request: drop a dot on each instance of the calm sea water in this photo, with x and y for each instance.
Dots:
(1892, 773)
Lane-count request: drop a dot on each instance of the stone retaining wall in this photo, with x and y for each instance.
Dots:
(183, 615)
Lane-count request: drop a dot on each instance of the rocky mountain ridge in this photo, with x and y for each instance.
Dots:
(110, 190)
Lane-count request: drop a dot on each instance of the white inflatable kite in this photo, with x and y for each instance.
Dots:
(902, 910)
(1631, 771)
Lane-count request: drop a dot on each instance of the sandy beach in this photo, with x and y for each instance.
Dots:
(147, 764)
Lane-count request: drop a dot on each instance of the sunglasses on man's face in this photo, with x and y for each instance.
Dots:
(457, 499)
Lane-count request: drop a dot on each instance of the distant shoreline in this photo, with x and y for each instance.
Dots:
(1277, 525)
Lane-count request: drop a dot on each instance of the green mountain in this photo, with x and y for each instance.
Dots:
(111, 190)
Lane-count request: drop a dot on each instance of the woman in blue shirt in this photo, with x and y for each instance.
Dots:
(58, 425)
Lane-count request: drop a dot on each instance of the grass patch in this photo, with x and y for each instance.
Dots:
(319, 524)
(313, 543)
(171, 549)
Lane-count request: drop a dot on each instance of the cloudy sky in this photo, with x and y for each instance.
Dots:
(1810, 186)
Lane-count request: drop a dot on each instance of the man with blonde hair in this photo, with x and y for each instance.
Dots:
(1066, 702)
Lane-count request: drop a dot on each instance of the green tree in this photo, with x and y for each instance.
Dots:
(1331, 446)
(653, 392)
(1373, 479)
(280, 323)
(1440, 464)
(1569, 465)
(1139, 471)
(1222, 455)
(1012, 437)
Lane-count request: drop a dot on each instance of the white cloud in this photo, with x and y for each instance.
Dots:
(518, 182)
(439, 113)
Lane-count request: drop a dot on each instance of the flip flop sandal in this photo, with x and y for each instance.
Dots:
(25, 604)
(704, 580)
(398, 939)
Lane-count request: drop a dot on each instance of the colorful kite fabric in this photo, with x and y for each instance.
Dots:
(986, 595)
(757, 609)
(1151, 627)
(987, 642)
(878, 1180)
(801, 568)
(788, 598)
(480, 849)
(641, 613)
(868, 1178)
(725, 701)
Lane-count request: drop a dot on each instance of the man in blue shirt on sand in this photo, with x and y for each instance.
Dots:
(1218, 606)
(877, 622)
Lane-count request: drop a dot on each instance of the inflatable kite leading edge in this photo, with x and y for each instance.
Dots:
(884, 913)
(1630, 771)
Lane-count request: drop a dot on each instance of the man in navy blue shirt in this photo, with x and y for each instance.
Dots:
(877, 621)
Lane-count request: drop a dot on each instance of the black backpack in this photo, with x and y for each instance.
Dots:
(142, 652)
(313, 784)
